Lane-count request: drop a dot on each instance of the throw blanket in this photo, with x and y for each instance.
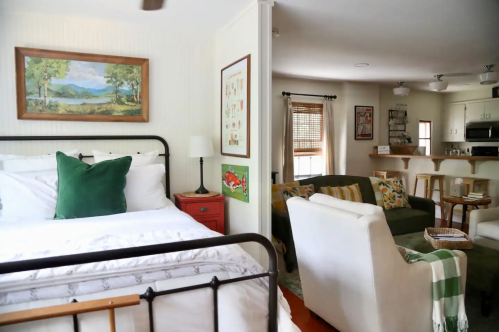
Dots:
(449, 314)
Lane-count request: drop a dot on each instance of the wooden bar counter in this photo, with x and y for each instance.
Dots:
(436, 159)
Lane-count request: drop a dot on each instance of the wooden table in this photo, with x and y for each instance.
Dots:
(461, 201)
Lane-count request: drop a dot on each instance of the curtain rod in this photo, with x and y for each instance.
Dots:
(284, 93)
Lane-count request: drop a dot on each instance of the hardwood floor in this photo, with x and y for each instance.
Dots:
(301, 315)
(456, 225)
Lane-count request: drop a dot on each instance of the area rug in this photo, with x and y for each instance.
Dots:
(477, 322)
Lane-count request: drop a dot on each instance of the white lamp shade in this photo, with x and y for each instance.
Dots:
(490, 77)
(200, 146)
(438, 86)
(401, 91)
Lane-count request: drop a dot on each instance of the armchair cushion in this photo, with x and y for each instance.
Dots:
(489, 229)
(357, 208)
(407, 220)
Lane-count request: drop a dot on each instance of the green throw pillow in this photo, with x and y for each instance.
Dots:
(90, 190)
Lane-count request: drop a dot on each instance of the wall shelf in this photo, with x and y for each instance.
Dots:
(436, 159)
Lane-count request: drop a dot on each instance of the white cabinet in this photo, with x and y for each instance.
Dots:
(491, 110)
(475, 112)
(453, 123)
(482, 111)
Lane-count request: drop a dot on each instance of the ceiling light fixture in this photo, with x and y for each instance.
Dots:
(488, 77)
(362, 64)
(275, 32)
(401, 90)
(439, 85)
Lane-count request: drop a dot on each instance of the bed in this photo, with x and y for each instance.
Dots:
(188, 278)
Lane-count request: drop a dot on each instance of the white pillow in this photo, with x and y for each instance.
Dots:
(144, 188)
(141, 159)
(13, 163)
(355, 207)
(28, 195)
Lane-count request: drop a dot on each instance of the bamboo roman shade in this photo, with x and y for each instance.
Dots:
(307, 129)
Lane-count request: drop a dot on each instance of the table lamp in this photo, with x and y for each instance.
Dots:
(201, 146)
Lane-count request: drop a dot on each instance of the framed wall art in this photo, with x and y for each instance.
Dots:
(364, 122)
(235, 182)
(69, 86)
(235, 108)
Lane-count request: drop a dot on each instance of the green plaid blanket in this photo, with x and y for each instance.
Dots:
(449, 314)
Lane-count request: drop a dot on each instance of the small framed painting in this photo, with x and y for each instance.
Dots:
(235, 108)
(70, 86)
(364, 122)
(235, 182)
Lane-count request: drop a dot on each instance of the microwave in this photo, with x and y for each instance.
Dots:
(482, 131)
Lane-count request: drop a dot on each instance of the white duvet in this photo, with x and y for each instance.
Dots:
(36, 239)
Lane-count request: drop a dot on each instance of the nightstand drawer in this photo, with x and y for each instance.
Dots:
(203, 209)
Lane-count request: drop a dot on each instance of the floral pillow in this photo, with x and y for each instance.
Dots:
(302, 191)
(394, 195)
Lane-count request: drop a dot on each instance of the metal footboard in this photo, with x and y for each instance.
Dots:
(150, 294)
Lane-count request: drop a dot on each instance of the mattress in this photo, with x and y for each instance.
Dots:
(243, 306)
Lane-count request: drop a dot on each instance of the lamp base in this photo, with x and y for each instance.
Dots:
(202, 190)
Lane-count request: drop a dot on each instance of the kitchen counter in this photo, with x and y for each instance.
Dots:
(436, 159)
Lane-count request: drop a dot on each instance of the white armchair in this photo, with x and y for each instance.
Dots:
(352, 274)
(484, 227)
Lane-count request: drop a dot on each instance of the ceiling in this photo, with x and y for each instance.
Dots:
(201, 16)
(402, 40)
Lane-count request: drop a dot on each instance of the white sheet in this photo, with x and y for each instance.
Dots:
(21, 241)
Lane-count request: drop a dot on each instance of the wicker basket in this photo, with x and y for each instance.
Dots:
(443, 244)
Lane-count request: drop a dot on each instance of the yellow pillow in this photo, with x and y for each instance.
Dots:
(394, 195)
(277, 199)
(347, 193)
(377, 192)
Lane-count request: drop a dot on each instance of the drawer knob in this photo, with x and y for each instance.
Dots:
(203, 209)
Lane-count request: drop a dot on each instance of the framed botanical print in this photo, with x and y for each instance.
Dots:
(70, 86)
(235, 108)
(364, 122)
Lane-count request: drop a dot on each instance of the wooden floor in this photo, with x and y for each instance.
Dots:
(301, 316)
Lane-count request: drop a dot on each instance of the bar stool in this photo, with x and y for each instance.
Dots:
(430, 180)
(386, 174)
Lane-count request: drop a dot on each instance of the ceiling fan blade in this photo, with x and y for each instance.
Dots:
(152, 4)
(456, 74)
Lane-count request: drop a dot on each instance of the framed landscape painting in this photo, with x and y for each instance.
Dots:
(69, 86)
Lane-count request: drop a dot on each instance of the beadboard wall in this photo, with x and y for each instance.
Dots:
(180, 81)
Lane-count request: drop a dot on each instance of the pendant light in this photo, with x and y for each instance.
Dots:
(401, 90)
(488, 77)
(438, 85)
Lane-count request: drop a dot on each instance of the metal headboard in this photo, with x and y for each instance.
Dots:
(103, 138)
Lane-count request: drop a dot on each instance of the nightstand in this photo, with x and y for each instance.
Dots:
(208, 211)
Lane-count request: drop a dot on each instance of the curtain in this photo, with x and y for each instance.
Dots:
(328, 138)
(288, 172)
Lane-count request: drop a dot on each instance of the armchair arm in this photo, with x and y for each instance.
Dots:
(423, 204)
(481, 215)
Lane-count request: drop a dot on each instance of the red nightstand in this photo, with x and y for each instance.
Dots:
(208, 211)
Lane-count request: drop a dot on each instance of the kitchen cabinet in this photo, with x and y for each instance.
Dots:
(482, 111)
(454, 123)
(491, 110)
(475, 112)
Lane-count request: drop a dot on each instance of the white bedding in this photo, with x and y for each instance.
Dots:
(35, 239)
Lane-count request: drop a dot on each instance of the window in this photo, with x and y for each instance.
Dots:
(307, 139)
(425, 135)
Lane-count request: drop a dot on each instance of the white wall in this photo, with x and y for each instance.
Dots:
(181, 72)
(357, 151)
(236, 41)
(278, 111)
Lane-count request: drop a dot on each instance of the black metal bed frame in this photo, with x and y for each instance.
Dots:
(150, 294)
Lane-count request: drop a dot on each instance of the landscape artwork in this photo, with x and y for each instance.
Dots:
(81, 87)
(235, 182)
(235, 113)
